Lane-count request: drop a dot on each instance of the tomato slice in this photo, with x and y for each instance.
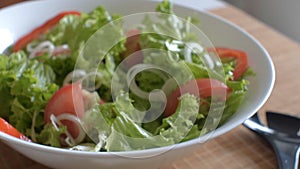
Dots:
(22, 42)
(132, 45)
(206, 88)
(132, 42)
(69, 99)
(240, 56)
(5, 127)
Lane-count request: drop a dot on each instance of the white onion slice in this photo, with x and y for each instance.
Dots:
(133, 71)
(61, 51)
(189, 47)
(62, 48)
(56, 121)
(188, 53)
(209, 61)
(45, 46)
(75, 74)
(81, 75)
(30, 47)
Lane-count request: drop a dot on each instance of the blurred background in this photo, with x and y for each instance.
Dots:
(283, 15)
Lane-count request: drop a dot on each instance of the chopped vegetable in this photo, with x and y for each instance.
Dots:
(22, 42)
(67, 100)
(240, 56)
(205, 88)
(5, 127)
(157, 99)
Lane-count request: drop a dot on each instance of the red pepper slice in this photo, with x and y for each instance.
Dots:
(5, 127)
(240, 56)
(22, 42)
(205, 88)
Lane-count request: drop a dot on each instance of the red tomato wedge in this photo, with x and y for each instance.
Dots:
(22, 42)
(240, 56)
(132, 42)
(132, 45)
(205, 88)
(5, 127)
(69, 99)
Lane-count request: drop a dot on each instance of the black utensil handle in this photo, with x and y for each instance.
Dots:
(287, 154)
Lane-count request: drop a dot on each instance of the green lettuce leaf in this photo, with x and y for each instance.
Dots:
(127, 134)
(75, 32)
(51, 136)
(165, 7)
(27, 85)
(179, 125)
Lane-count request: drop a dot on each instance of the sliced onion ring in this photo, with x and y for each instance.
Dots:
(75, 74)
(188, 50)
(45, 46)
(56, 121)
(136, 69)
(188, 53)
(82, 75)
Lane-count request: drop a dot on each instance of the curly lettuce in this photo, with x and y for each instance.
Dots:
(27, 85)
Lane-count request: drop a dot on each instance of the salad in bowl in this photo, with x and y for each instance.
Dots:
(103, 84)
(82, 81)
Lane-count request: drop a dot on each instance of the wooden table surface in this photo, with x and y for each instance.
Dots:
(239, 148)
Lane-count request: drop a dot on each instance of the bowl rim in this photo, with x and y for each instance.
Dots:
(11, 140)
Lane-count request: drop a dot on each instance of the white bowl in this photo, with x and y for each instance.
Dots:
(17, 20)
